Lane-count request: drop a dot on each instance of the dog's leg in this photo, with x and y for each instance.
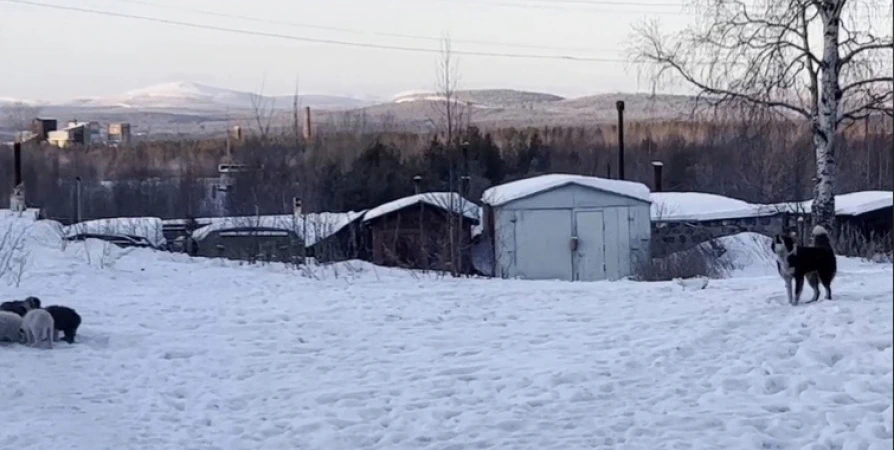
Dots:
(788, 289)
(813, 280)
(799, 287)
(55, 335)
(827, 283)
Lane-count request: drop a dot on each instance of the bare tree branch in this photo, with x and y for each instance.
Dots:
(866, 48)
(818, 59)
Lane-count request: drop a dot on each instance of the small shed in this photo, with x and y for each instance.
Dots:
(419, 231)
(567, 227)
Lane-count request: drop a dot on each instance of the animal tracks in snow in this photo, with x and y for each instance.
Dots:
(243, 358)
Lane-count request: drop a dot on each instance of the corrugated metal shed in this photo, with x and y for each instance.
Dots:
(567, 227)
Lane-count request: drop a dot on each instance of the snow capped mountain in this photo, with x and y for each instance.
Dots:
(481, 97)
(196, 96)
(11, 101)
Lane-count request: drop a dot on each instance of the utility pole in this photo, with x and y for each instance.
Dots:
(78, 199)
(620, 105)
(417, 181)
(17, 162)
(17, 199)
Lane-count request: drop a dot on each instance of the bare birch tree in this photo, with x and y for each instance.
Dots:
(827, 61)
(263, 109)
(450, 115)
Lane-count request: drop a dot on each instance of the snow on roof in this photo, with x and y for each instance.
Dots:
(672, 206)
(318, 227)
(448, 201)
(75, 126)
(149, 228)
(857, 203)
(851, 204)
(505, 193)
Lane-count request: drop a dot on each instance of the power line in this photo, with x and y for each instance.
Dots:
(609, 3)
(580, 7)
(353, 31)
(313, 39)
(589, 3)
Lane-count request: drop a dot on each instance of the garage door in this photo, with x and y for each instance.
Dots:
(542, 242)
(590, 259)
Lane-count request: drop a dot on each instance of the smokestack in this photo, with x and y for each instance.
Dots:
(620, 106)
(416, 181)
(657, 168)
(17, 162)
(307, 123)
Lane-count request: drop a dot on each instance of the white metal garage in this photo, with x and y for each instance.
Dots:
(567, 227)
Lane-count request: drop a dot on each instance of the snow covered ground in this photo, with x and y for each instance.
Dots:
(180, 353)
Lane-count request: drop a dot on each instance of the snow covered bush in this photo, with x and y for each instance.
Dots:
(705, 260)
(874, 247)
(13, 255)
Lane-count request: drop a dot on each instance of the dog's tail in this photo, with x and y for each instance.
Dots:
(821, 237)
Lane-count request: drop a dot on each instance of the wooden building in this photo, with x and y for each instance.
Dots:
(431, 231)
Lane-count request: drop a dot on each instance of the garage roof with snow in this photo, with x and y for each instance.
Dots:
(149, 228)
(319, 226)
(695, 206)
(448, 201)
(852, 204)
(509, 192)
(683, 206)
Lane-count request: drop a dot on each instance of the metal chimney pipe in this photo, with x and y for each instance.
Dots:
(657, 168)
(308, 131)
(416, 181)
(620, 105)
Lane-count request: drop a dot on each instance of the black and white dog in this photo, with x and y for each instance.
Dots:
(796, 262)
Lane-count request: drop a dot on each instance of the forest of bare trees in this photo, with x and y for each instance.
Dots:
(758, 161)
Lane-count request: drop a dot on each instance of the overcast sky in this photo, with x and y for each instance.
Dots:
(53, 54)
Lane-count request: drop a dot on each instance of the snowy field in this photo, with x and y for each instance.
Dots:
(180, 353)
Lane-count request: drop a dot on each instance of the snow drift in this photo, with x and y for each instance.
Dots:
(176, 352)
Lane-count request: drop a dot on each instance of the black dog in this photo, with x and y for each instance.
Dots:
(817, 264)
(65, 320)
(16, 306)
(32, 303)
(21, 307)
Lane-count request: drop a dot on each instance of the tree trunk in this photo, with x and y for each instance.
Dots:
(825, 126)
(824, 193)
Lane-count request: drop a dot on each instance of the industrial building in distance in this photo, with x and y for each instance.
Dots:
(76, 133)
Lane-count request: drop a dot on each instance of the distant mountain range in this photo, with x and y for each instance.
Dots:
(195, 96)
(193, 108)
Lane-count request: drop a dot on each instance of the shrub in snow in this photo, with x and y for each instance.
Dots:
(705, 261)
(876, 247)
(39, 328)
(10, 324)
(65, 320)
